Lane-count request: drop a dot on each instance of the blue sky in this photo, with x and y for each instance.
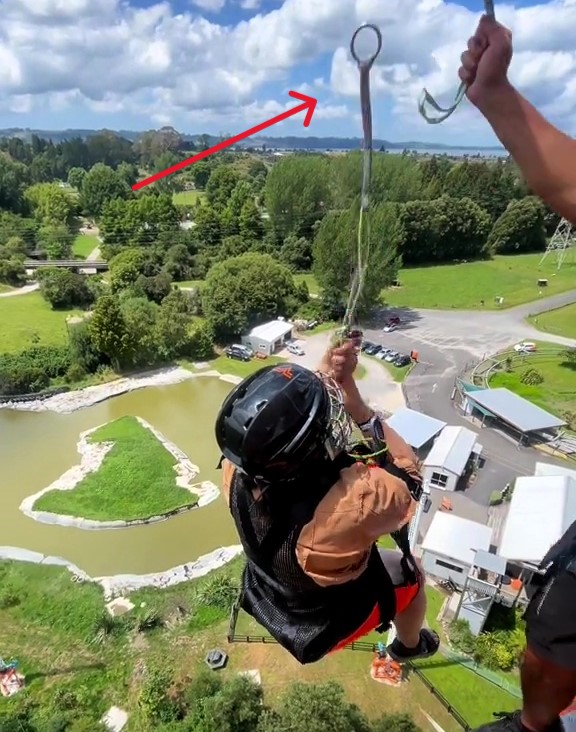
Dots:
(222, 66)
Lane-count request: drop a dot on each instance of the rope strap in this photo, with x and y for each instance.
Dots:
(427, 98)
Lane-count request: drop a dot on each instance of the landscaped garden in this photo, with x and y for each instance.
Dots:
(136, 479)
(546, 378)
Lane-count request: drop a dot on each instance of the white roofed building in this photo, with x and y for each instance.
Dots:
(416, 428)
(542, 507)
(455, 450)
(268, 337)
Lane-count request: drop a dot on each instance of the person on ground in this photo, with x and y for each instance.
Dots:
(546, 157)
(309, 514)
(548, 668)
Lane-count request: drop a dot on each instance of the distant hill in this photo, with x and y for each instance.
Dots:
(278, 143)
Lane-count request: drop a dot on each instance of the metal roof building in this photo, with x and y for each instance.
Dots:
(456, 538)
(449, 457)
(541, 509)
(519, 413)
(414, 427)
(268, 337)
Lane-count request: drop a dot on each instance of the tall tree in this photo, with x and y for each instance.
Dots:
(221, 183)
(521, 228)
(335, 253)
(50, 204)
(108, 330)
(245, 290)
(297, 194)
(101, 185)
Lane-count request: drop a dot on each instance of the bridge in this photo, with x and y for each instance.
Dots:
(74, 264)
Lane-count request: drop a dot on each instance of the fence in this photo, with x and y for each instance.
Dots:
(371, 648)
(484, 673)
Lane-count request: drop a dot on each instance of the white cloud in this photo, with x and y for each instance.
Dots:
(163, 66)
(212, 6)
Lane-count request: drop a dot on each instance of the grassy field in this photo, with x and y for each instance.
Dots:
(474, 697)
(559, 322)
(136, 480)
(463, 286)
(70, 649)
(557, 393)
(27, 319)
(84, 245)
(310, 280)
(187, 198)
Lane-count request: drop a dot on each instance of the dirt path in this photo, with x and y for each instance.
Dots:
(21, 290)
(377, 386)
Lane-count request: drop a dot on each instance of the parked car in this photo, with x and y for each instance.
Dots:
(238, 353)
(389, 327)
(383, 353)
(372, 349)
(525, 347)
(402, 361)
(295, 349)
(391, 357)
(366, 345)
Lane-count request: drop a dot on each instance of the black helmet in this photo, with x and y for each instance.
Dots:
(279, 419)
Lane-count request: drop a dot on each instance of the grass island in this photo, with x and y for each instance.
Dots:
(129, 472)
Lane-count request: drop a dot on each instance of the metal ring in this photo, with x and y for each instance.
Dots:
(369, 61)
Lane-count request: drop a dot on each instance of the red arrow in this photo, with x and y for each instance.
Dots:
(308, 105)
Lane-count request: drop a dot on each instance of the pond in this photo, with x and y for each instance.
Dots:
(36, 448)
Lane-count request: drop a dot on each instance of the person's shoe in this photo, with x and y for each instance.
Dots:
(511, 722)
(428, 646)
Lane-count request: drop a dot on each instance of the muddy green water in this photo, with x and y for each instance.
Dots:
(36, 448)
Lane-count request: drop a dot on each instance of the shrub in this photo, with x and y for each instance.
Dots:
(461, 636)
(30, 371)
(532, 377)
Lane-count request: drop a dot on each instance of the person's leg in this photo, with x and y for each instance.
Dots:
(548, 669)
(412, 641)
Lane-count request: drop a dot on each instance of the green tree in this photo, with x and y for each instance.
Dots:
(76, 177)
(172, 324)
(63, 288)
(126, 267)
(128, 172)
(315, 708)
(296, 253)
(208, 226)
(395, 723)
(335, 253)
(235, 708)
(178, 262)
(13, 177)
(50, 204)
(200, 174)
(140, 317)
(108, 330)
(521, 228)
(297, 194)
(56, 240)
(251, 226)
(101, 185)
(12, 271)
(221, 183)
(245, 290)
(443, 230)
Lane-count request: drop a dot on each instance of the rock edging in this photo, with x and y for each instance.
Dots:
(123, 584)
(92, 456)
(72, 401)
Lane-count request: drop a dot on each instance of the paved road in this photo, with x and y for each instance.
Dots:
(377, 387)
(446, 342)
(21, 290)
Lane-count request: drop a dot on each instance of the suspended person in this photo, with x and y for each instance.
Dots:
(309, 515)
(546, 157)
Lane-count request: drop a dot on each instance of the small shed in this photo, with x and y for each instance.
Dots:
(268, 337)
(450, 545)
(416, 428)
(541, 509)
(453, 453)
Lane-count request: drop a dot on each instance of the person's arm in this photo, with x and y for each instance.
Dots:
(545, 156)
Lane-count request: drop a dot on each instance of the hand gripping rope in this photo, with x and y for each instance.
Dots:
(363, 237)
(427, 98)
